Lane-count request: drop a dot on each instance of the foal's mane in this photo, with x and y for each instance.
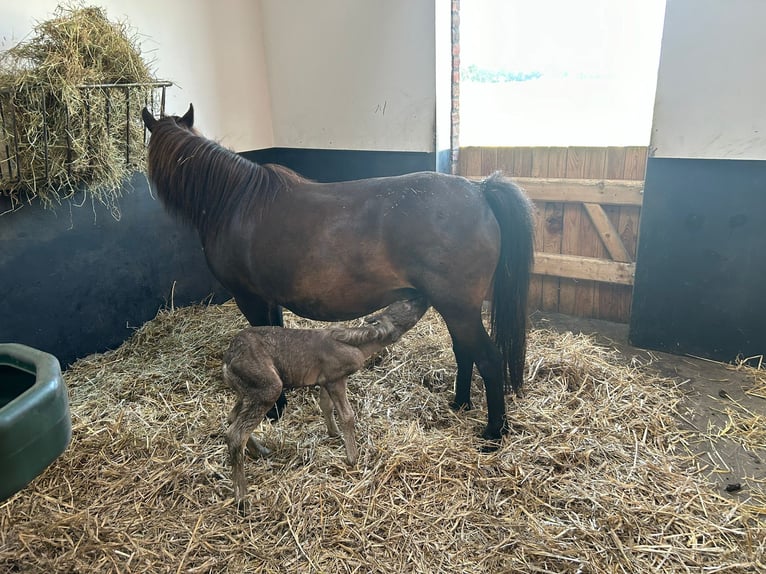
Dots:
(361, 335)
(400, 319)
(206, 184)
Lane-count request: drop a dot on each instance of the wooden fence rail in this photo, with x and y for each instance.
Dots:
(589, 202)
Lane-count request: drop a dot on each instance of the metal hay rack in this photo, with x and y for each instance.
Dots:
(52, 144)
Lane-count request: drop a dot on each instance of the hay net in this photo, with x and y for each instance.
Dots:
(69, 100)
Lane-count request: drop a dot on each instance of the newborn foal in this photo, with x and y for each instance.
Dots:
(261, 361)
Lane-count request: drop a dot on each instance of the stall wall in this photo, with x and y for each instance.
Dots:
(711, 88)
(353, 85)
(702, 251)
(78, 279)
(345, 74)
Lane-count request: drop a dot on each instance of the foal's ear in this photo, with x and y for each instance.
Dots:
(188, 118)
(148, 118)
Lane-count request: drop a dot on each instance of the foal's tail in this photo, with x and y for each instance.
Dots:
(515, 215)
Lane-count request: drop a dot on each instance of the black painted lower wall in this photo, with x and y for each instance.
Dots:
(327, 165)
(701, 263)
(72, 286)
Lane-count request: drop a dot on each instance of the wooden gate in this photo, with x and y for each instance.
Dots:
(589, 202)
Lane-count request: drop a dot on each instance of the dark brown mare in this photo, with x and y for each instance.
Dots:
(338, 251)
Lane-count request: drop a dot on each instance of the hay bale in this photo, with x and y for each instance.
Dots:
(62, 128)
(595, 477)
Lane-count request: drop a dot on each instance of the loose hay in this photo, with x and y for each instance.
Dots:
(595, 476)
(746, 427)
(69, 101)
(758, 378)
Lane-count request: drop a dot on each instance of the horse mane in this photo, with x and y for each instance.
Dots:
(206, 184)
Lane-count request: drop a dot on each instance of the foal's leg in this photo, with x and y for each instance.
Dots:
(253, 448)
(258, 312)
(239, 434)
(257, 387)
(337, 392)
(326, 404)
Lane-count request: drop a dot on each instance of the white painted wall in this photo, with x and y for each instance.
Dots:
(336, 74)
(711, 90)
(351, 74)
(211, 50)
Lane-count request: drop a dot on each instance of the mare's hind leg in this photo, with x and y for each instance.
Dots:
(258, 312)
(470, 337)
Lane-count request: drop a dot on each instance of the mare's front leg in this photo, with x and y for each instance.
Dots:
(464, 361)
(258, 312)
(337, 392)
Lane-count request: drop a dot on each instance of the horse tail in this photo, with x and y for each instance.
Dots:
(508, 320)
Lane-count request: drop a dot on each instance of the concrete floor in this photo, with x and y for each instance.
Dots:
(710, 387)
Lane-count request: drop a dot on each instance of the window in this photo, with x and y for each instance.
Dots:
(558, 72)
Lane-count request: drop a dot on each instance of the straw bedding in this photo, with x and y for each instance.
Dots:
(594, 477)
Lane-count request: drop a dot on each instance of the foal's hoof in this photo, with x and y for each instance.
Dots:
(243, 507)
(255, 450)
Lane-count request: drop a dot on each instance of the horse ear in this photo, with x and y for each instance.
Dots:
(148, 118)
(188, 118)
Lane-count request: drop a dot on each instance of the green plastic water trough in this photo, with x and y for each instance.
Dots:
(35, 424)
